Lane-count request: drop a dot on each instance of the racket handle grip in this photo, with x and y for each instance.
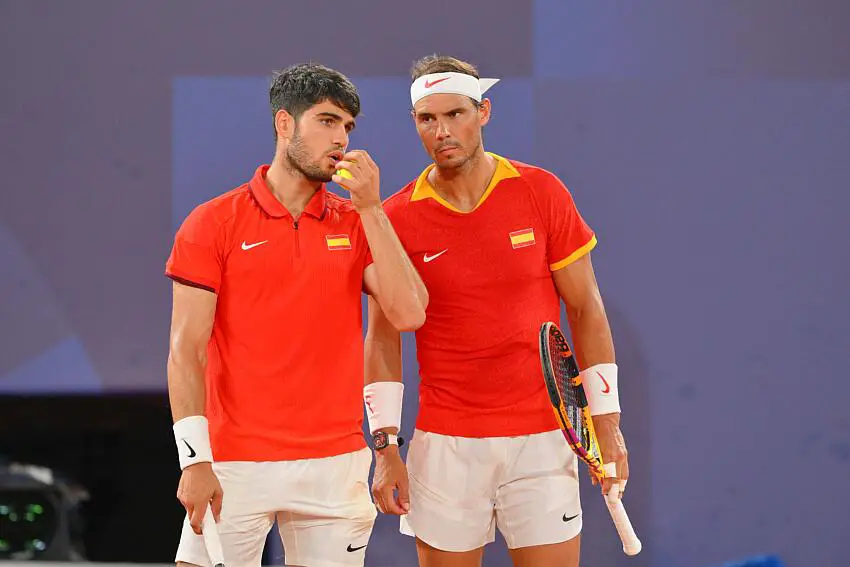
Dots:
(211, 539)
(631, 543)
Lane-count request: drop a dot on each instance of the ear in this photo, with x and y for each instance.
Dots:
(484, 112)
(284, 124)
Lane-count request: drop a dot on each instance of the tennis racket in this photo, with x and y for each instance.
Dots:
(563, 382)
(211, 539)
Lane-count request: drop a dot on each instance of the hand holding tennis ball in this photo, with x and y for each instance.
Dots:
(358, 174)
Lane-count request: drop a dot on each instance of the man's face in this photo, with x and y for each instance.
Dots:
(449, 126)
(319, 141)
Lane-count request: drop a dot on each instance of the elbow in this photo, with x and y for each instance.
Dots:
(182, 356)
(589, 310)
(407, 320)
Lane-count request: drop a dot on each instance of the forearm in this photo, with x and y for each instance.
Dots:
(595, 346)
(591, 334)
(382, 362)
(402, 292)
(383, 365)
(383, 390)
(186, 387)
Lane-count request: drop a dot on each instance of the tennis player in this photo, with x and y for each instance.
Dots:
(498, 244)
(265, 370)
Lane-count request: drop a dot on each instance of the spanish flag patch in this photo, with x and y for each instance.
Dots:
(522, 238)
(338, 242)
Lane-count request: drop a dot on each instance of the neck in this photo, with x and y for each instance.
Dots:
(463, 186)
(289, 186)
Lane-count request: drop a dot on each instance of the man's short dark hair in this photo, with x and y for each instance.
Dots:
(441, 64)
(299, 87)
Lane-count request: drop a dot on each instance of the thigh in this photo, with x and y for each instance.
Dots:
(329, 523)
(564, 554)
(432, 557)
(538, 503)
(452, 490)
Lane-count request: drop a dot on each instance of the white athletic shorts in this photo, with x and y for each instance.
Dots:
(462, 488)
(323, 508)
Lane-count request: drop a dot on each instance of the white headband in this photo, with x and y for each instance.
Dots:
(451, 83)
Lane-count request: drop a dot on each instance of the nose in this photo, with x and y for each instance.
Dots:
(341, 137)
(442, 130)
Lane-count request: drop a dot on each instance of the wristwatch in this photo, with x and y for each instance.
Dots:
(382, 440)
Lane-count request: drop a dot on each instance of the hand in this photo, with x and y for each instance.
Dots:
(198, 488)
(390, 475)
(613, 448)
(365, 182)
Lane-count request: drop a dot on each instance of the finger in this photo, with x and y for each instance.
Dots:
(356, 155)
(379, 503)
(367, 160)
(215, 504)
(362, 157)
(354, 159)
(392, 507)
(196, 518)
(379, 500)
(341, 181)
(623, 468)
(351, 166)
(404, 494)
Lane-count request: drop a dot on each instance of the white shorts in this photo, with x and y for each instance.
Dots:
(462, 488)
(323, 508)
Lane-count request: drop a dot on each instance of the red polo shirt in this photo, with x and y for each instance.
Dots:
(284, 375)
(489, 279)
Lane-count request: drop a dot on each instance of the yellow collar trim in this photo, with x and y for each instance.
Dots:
(424, 190)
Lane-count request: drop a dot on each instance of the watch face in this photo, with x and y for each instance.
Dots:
(380, 439)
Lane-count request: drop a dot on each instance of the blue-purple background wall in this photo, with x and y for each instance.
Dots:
(708, 143)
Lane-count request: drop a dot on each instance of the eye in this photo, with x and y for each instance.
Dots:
(327, 121)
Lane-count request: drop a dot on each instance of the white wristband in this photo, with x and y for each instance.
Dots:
(193, 440)
(600, 388)
(383, 404)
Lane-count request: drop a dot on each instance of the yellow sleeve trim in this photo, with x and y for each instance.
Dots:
(591, 244)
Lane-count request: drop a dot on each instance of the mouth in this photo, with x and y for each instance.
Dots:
(447, 149)
(336, 156)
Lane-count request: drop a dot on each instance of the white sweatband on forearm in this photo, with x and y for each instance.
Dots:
(383, 404)
(192, 435)
(600, 388)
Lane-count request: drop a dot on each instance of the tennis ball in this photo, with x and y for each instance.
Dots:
(344, 173)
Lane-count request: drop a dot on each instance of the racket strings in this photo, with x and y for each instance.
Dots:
(572, 394)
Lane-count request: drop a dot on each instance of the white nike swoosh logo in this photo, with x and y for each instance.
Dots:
(428, 258)
(249, 246)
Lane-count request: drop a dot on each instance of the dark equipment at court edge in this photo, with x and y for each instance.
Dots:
(38, 514)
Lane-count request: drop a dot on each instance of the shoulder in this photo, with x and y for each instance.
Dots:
(400, 200)
(217, 212)
(537, 178)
